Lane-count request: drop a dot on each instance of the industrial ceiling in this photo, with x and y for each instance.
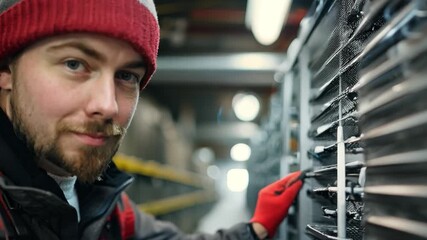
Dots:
(207, 54)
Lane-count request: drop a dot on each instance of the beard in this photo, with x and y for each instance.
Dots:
(86, 162)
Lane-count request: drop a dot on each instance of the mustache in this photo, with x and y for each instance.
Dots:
(107, 129)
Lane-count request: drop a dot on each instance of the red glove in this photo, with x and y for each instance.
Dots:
(274, 201)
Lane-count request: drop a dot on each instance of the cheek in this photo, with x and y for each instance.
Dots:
(52, 101)
(127, 109)
(44, 97)
(44, 101)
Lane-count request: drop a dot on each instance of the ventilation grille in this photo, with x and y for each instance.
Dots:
(393, 118)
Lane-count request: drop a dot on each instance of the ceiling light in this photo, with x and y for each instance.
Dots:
(237, 180)
(240, 152)
(266, 18)
(245, 106)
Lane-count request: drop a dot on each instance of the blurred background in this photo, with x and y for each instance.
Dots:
(248, 91)
(198, 142)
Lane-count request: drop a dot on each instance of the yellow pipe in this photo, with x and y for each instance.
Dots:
(153, 169)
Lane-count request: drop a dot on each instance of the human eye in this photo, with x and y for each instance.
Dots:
(128, 77)
(74, 65)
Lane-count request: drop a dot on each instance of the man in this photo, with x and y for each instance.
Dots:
(70, 76)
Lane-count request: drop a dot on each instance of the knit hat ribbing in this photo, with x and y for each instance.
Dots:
(26, 21)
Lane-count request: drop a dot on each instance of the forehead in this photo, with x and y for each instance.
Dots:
(95, 42)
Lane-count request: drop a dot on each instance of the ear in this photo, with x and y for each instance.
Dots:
(5, 79)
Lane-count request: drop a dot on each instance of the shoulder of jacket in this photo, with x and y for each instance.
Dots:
(125, 215)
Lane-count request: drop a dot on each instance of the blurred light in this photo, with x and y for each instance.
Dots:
(237, 180)
(245, 106)
(205, 155)
(266, 18)
(213, 171)
(253, 61)
(249, 14)
(240, 152)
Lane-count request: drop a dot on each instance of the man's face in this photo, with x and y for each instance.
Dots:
(72, 99)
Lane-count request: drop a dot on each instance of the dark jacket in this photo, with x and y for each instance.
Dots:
(34, 207)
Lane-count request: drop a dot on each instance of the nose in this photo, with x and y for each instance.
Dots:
(102, 102)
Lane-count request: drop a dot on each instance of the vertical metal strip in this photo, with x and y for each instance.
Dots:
(286, 94)
(341, 204)
(306, 211)
(286, 91)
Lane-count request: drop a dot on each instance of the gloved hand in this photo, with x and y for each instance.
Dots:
(274, 201)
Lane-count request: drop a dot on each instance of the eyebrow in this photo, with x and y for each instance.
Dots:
(83, 48)
(95, 54)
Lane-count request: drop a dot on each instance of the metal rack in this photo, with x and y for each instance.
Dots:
(357, 75)
(335, 41)
(392, 90)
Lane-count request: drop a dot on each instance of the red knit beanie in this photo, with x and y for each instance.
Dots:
(23, 22)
